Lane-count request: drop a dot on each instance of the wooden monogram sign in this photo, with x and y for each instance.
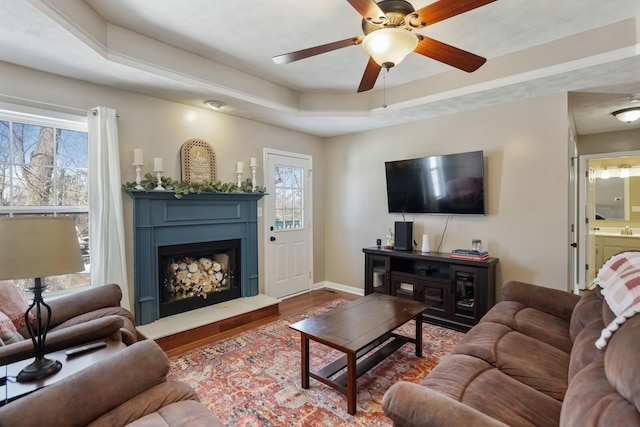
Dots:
(198, 161)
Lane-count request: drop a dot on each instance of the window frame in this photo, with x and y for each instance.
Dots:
(55, 120)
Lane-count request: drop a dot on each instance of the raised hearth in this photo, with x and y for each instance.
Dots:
(161, 220)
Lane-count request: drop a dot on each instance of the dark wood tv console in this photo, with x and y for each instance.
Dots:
(460, 291)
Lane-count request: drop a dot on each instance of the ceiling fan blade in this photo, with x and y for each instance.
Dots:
(370, 76)
(316, 50)
(443, 9)
(369, 10)
(448, 54)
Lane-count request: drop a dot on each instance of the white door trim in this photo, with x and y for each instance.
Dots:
(308, 217)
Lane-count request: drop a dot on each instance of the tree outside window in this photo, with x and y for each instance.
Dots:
(44, 171)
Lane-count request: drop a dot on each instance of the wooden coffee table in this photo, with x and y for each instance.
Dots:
(356, 329)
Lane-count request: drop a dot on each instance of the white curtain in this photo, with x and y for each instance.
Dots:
(106, 222)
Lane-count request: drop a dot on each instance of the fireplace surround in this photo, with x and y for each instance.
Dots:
(161, 220)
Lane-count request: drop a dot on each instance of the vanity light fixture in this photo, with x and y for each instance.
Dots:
(604, 174)
(214, 104)
(627, 115)
(624, 171)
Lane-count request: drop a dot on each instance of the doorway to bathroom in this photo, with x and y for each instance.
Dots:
(609, 214)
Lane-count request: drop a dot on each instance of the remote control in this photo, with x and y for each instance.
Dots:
(85, 348)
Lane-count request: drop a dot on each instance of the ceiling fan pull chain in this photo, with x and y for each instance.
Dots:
(384, 87)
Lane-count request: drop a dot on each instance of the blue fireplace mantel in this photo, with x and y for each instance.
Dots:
(160, 219)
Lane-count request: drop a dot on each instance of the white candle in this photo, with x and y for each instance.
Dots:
(157, 164)
(254, 161)
(240, 167)
(137, 156)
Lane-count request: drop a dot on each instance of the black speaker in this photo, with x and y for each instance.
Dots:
(404, 236)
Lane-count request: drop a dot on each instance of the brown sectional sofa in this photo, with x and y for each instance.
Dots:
(531, 361)
(129, 388)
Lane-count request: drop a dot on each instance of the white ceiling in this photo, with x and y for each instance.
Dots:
(189, 51)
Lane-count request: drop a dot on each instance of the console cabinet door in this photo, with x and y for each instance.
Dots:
(428, 290)
(469, 294)
(377, 274)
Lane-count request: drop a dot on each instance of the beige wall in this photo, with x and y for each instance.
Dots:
(526, 152)
(160, 128)
(609, 142)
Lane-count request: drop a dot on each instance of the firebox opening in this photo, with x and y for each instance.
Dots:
(197, 275)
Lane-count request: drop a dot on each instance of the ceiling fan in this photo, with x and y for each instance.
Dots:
(389, 37)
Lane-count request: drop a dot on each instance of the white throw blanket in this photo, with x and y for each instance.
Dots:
(619, 279)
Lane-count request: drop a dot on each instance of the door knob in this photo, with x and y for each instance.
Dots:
(273, 239)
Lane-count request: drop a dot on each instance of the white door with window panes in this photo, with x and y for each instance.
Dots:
(288, 223)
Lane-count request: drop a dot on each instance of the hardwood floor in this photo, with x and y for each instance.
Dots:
(288, 307)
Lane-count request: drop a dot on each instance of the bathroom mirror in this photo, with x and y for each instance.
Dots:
(618, 199)
(610, 198)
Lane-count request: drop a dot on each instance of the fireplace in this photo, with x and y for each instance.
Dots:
(196, 275)
(216, 226)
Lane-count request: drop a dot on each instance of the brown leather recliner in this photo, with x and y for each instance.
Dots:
(128, 388)
(77, 319)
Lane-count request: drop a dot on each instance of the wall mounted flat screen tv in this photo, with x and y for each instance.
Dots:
(451, 184)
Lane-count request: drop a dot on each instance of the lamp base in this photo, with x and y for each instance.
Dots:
(40, 368)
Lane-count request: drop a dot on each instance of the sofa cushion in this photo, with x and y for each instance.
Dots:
(13, 303)
(531, 322)
(584, 350)
(621, 367)
(592, 402)
(185, 413)
(6, 325)
(525, 359)
(479, 385)
(129, 334)
(8, 332)
(586, 311)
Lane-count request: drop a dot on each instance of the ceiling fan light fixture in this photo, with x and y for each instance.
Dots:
(627, 115)
(389, 46)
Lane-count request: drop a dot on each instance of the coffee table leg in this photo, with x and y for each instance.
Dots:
(351, 383)
(418, 320)
(304, 360)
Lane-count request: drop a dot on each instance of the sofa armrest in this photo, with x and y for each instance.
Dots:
(97, 329)
(552, 301)
(408, 404)
(92, 392)
(67, 307)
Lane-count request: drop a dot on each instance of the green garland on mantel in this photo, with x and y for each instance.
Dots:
(180, 188)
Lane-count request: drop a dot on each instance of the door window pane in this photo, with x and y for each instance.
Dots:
(289, 192)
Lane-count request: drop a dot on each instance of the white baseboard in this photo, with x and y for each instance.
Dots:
(338, 287)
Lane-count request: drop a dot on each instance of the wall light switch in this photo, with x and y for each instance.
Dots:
(259, 212)
(635, 208)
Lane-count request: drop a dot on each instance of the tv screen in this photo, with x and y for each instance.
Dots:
(451, 184)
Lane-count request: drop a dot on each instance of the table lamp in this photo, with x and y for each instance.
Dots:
(37, 247)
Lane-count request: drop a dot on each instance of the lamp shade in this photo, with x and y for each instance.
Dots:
(627, 115)
(38, 246)
(389, 46)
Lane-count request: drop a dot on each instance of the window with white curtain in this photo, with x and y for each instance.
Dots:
(44, 171)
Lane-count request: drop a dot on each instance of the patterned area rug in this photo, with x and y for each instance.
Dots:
(253, 379)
